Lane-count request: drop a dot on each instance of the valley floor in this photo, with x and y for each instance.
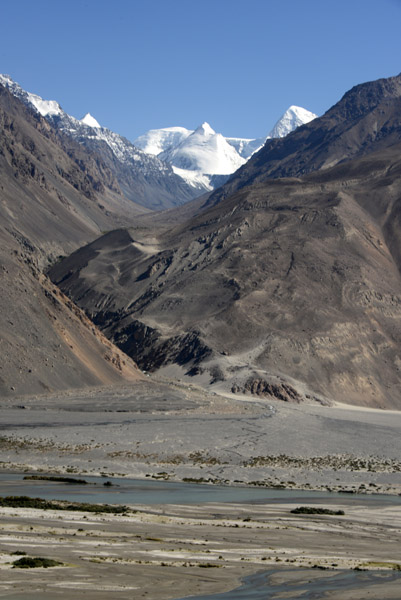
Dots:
(176, 431)
(168, 430)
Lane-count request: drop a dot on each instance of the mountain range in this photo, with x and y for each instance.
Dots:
(205, 158)
(284, 282)
(164, 167)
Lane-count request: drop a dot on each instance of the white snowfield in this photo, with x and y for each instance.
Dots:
(156, 141)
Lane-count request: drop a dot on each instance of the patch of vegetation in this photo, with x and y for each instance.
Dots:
(315, 510)
(27, 502)
(18, 553)
(381, 565)
(208, 566)
(28, 562)
(346, 462)
(201, 480)
(55, 478)
(161, 475)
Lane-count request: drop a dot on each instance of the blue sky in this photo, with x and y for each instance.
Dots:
(238, 64)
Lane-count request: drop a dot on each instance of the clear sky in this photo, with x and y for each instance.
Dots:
(238, 64)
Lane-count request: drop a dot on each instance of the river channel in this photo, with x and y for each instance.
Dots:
(137, 491)
(281, 583)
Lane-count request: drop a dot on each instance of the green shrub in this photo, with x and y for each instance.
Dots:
(55, 478)
(28, 562)
(27, 502)
(314, 510)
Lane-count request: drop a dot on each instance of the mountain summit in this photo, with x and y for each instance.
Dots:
(206, 151)
(90, 121)
(294, 117)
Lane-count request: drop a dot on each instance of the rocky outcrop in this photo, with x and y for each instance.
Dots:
(263, 388)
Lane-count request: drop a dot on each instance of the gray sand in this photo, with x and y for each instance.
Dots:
(183, 431)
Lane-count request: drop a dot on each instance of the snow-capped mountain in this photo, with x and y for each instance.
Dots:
(206, 151)
(205, 158)
(164, 167)
(294, 117)
(44, 107)
(143, 178)
(202, 155)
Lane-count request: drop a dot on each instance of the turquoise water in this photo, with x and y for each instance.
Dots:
(136, 491)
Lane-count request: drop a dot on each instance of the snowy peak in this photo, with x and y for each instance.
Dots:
(204, 151)
(205, 130)
(294, 117)
(89, 120)
(78, 129)
(6, 80)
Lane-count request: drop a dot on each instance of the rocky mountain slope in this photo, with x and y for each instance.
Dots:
(281, 287)
(54, 197)
(144, 179)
